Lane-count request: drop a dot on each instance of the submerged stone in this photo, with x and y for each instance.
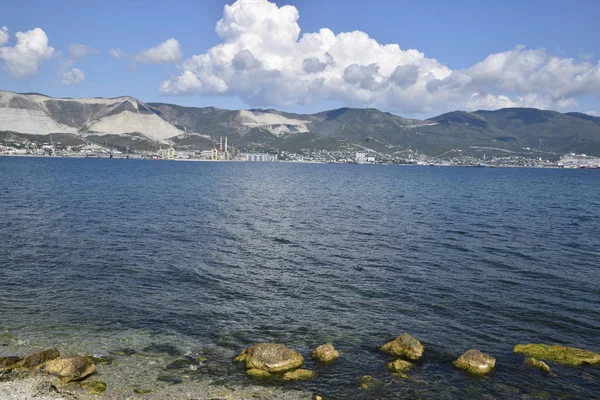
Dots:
(367, 382)
(475, 362)
(169, 379)
(326, 353)
(124, 352)
(7, 363)
(94, 387)
(299, 375)
(399, 366)
(560, 354)
(38, 358)
(270, 357)
(71, 368)
(404, 346)
(532, 362)
(100, 359)
(258, 373)
(182, 363)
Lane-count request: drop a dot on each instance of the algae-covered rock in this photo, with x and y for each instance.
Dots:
(299, 375)
(71, 368)
(532, 362)
(404, 346)
(399, 366)
(41, 357)
(559, 354)
(100, 359)
(94, 387)
(270, 357)
(475, 362)
(257, 373)
(368, 382)
(326, 353)
(7, 363)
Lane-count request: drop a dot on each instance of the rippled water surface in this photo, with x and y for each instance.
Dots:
(223, 255)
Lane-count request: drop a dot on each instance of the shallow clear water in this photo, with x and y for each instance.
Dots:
(100, 253)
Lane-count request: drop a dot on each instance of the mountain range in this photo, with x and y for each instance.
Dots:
(125, 122)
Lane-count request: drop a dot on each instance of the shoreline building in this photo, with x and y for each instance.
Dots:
(259, 157)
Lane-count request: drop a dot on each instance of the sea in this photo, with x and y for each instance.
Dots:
(169, 259)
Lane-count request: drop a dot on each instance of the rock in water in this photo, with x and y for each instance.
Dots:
(399, 366)
(326, 353)
(368, 382)
(475, 362)
(560, 354)
(258, 373)
(404, 346)
(299, 375)
(39, 358)
(8, 362)
(94, 387)
(73, 368)
(532, 362)
(270, 357)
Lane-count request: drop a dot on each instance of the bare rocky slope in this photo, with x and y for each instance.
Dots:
(125, 122)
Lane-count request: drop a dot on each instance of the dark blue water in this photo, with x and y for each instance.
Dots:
(230, 254)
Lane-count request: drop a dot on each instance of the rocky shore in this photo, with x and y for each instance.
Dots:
(125, 374)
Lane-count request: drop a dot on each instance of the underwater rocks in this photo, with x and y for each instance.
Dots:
(560, 354)
(299, 375)
(532, 362)
(7, 363)
(399, 366)
(73, 368)
(94, 387)
(475, 362)
(38, 358)
(404, 346)
(326, 353)
(270, 357)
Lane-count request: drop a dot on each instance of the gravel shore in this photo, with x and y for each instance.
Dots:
(48, 388)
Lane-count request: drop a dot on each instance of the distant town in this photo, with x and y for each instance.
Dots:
(222, 152)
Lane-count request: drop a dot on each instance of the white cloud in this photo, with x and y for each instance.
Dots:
(168, 52)
(116, 53)
(3, 35)
(265, 61)
(72, 76)
(25, 57)
(79, 51)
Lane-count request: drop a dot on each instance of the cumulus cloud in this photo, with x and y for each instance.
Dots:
(116, 53)
(168, 52)
(265, 61)
(72, 76)
(3, 35)
(25, 57)
(79, 51)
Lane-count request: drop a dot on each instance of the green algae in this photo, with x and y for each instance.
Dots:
(299, 375)
(532, 362)
(560, 354)
(94, 387)
(399, 366)
(258, 373)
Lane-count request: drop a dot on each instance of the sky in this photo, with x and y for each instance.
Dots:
(411, 58)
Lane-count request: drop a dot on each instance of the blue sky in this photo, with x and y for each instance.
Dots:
(453, 65)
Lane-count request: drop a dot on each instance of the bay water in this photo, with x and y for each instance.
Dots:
(210, 257)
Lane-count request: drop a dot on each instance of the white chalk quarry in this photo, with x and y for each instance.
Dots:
(34, 122)
(30, 114)
(275, 123)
